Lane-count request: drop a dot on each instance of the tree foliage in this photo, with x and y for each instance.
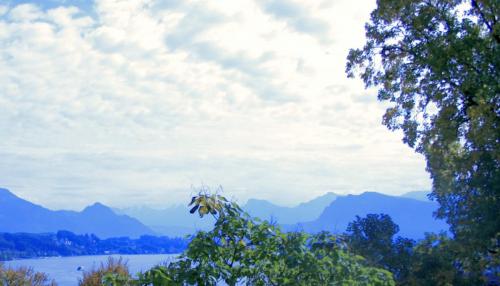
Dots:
(438, 63)
(242, 250)
(434, 262)
(373, 237)
(430, 261)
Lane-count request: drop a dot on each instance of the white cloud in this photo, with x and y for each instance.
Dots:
(297, 16)
(25, 13)
(129, 102)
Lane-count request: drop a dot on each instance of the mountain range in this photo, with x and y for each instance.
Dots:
(173, 221)
(177, 221)
(413, 213)
(18, 215)
(417, 195)
(414, 217)
(289, 215)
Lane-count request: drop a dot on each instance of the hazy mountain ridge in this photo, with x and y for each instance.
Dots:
(19, 215)
(328, 212)
(177, 221)
(172, 221)
(306, 211)
(414, 217)
(413, 212)
(417, 195)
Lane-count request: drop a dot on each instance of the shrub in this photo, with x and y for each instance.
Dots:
(24, 276)
(113, 272)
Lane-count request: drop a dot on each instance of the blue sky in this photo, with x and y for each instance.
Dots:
(135, 102)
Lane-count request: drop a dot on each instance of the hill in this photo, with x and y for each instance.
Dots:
(289, 215)
(177, 221)
(414, 217)
(19, 215)
(417, 195)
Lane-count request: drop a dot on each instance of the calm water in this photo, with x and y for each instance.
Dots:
(64, 269)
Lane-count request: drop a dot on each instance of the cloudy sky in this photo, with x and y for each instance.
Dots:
(137, 102)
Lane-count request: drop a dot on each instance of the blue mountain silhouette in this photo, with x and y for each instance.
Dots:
(18, 215)
(289, 215)
(328, 212)
(174, 221)
(177, 221)
(417, 195)
(414, 217)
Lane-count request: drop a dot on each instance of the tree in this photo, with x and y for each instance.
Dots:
(431, 261)
(434, 262)
(438, 63)
(373, 237)
(240, 249)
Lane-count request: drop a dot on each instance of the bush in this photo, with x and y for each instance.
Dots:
(23, 276)
(113, 272)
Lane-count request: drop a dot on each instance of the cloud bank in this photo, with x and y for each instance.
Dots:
(133, 102)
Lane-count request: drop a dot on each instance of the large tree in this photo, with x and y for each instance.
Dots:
(373, 237)
(438, 63)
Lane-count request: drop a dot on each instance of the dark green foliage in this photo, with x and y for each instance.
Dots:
(156, 276)
(373, 237)
(240, 250)
(401, 259)
(434, 262)
(431, 261)
(438, 63)
(243, 251)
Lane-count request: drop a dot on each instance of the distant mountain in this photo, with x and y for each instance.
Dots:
(18, 215)
(177, 221)
(289, 215)
(172, 221)
(417, 195)
(414, 217)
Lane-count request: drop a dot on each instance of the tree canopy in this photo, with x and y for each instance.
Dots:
(438, 63)
(241, 250)
(430, 261)
(373, 238)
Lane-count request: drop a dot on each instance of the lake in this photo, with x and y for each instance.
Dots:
(64, 269)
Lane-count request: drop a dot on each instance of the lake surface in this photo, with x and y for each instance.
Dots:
(64, 269)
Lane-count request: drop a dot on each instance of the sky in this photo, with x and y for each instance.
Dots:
(142, 102)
